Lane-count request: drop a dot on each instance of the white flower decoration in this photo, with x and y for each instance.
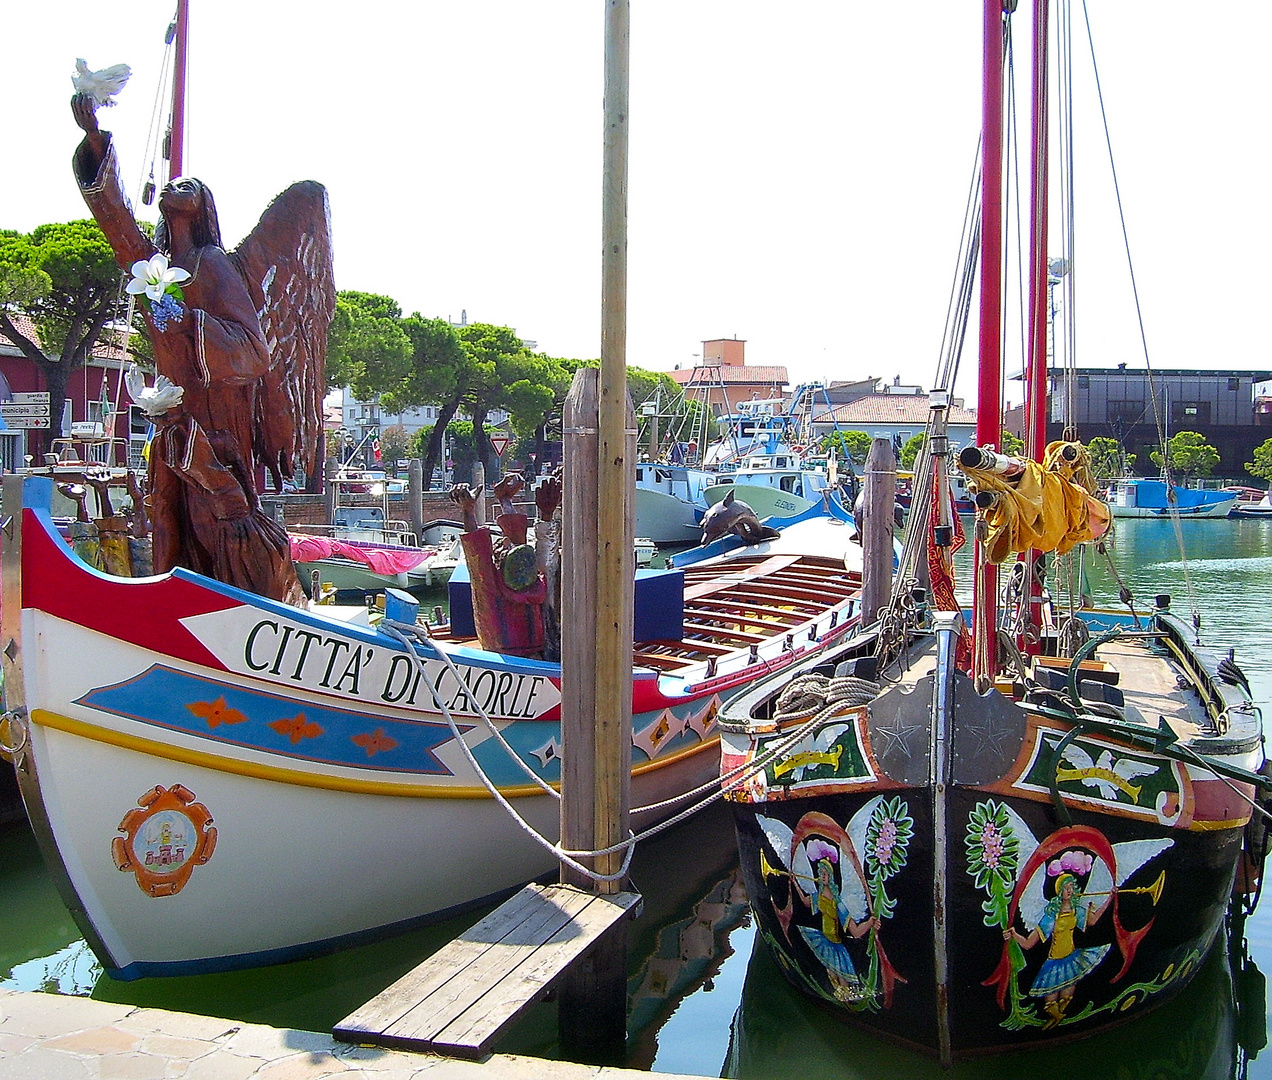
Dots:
(155, 277)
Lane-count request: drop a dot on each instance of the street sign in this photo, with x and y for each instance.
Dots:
(27, 397)
(500, 442)
(19, 412)
(28, 422)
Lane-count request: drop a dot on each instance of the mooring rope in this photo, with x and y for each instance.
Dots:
(403, 634)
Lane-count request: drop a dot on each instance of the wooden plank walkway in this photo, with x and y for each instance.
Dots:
(459, 1000)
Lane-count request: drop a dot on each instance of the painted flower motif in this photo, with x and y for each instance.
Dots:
(888, 836)
(992, 846)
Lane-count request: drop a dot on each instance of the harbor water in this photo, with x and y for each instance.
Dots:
(704, 996)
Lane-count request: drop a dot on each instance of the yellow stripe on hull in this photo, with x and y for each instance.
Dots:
(220, 763)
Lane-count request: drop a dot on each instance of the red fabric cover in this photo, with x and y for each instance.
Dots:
(306, 549)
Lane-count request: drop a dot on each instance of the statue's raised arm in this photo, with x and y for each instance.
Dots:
(243, 337)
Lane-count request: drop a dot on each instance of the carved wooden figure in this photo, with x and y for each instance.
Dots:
(245, 347)
(508, 590)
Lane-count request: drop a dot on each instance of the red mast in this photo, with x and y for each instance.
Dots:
(176, 133)
(1036, 365)
(989, 383)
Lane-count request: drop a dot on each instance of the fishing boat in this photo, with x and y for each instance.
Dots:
(670, 501)
(1258, 505)
(364, 549)
(1137, 497)
(211, 756)
(779, 484)
(985, 835)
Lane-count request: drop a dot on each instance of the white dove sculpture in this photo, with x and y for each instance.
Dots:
(101, 86)
(152, 400)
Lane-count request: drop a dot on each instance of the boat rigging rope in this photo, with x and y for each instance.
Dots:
(403, 633)
(1160, 420)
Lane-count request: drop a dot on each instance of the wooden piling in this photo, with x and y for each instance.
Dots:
(598, 568)
(415, 495)
(879, 498)
(329, 490)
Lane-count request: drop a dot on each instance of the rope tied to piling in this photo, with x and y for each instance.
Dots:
(403, 633)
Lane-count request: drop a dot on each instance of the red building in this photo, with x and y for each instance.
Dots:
(99, 422)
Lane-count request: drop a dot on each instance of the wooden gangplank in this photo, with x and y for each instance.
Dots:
(460, 999)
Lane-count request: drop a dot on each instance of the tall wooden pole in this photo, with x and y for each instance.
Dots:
(176, 142)
(878, 512)
(616, 561)
(592, 1013)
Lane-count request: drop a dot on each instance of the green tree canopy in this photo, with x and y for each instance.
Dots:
(1188, 455)
(1108, 459)
(1261, 466)
(367, 347)
(910, 451)
(852, 446)
(394, 443)
(63, 277)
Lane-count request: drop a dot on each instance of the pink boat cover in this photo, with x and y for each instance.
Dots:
(307, 549)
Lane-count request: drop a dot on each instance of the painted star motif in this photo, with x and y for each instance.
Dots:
(376, 742)
(296, 728)
(549, 751)
(898, 738)
(216, 712)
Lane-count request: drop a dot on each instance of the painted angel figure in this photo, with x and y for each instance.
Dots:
(243, 335)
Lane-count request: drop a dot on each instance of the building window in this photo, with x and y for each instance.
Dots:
(1189, 412)
(1234, 384)
(1130, 411)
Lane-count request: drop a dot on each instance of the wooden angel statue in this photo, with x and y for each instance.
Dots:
(240, 343)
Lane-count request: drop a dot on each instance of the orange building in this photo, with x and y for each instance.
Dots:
(723, 379)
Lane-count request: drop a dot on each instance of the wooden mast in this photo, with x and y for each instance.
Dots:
(989, 382)
(176, 131)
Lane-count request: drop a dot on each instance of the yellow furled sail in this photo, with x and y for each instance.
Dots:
(1048, 506)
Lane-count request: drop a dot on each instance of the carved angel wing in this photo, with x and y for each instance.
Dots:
(287, 265)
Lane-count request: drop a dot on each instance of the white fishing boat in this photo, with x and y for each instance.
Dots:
(212, 756)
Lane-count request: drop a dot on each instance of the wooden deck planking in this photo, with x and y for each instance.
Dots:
(460, 999)
(720, 581)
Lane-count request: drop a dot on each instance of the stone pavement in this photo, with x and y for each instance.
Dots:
(53, 1037)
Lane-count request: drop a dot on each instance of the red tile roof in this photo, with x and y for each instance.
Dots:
(107, 347)
(893, 409)
(768, 375)
(24, 326)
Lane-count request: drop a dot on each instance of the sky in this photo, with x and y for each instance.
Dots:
(798, 172)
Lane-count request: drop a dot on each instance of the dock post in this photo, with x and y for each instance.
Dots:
(329, 499)
(415, 496)
(879, 498)
(599, 566)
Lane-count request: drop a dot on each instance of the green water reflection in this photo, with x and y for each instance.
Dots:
(704, 997)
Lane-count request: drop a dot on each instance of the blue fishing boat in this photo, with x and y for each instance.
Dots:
(1136, 497)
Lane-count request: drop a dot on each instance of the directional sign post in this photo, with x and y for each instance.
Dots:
(26, 411)
(500, 442)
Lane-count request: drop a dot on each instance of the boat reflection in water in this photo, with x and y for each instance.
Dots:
(1199, 1035)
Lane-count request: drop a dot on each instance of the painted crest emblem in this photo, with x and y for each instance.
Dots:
(165, 837)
